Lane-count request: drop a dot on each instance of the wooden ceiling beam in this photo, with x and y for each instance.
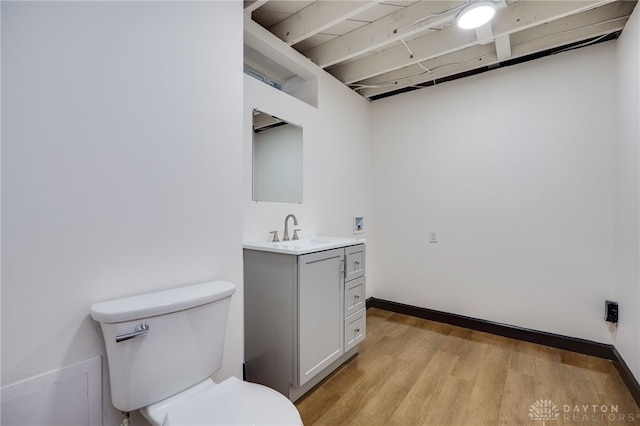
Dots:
(516, 17)
(402, 24)
(316, 17)
(403, 54)
(531, 41)
(453, 63)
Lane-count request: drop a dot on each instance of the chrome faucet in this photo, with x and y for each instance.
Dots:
(286, 227)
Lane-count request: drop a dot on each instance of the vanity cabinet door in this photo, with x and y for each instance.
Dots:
(320, 311)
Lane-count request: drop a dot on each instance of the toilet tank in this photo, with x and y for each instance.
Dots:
(183, 343)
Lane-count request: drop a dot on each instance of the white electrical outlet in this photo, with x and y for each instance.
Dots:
(433, 236)
(358, 224)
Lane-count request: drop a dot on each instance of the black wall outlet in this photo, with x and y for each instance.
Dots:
(611, 311)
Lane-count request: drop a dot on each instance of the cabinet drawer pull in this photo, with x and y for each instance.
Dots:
(356, 296)
(357, 330)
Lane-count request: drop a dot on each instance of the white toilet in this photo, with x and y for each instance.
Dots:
(162, 349)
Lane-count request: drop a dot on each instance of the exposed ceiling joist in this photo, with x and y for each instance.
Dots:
(403, 54)
(451, 38)
(570, 29)
(439, 67)
(317, 17)
(558, 33)
(414, 19)
(380, 47)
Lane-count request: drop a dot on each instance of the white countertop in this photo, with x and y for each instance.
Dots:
(304, 245)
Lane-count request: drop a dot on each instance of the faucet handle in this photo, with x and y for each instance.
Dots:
(275, 238)
(295, 234)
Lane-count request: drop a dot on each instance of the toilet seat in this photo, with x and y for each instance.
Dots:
(232, 402)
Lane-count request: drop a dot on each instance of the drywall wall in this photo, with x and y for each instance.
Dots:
(627, 338)
(121, 168)
(336, 161)
(515, 170)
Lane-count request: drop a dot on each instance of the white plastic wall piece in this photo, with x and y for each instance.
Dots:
(70, 395)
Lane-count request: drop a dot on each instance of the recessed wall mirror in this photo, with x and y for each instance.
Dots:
(277, 159)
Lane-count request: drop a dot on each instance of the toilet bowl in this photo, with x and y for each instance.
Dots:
(231, 402)
(187, 326)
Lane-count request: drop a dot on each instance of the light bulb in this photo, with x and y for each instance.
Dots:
(476, 15)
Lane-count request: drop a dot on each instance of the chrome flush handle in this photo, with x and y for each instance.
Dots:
(140, 330)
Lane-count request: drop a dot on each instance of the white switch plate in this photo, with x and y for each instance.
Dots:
(433, 236)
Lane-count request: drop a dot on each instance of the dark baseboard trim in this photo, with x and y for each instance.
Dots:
(558, 341)
(627, 376)
(573, 344)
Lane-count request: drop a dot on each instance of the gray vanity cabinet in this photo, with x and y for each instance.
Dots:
(303, 315)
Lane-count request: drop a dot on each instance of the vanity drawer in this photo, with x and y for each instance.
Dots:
(354, 262)
(355, 329)
(354, 296)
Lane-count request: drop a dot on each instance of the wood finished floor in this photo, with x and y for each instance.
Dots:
(411, 371)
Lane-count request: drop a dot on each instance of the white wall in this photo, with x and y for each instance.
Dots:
(337, 171)
(121, 167)
(515, 169)
(628, 194)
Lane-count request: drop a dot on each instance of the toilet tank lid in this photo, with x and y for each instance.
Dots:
(161, 302)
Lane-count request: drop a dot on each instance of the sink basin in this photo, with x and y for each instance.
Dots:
(304, 245)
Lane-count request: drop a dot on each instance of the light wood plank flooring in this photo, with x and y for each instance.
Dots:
(411, 371)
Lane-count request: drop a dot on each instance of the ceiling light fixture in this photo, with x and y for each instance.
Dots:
(476, 14)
